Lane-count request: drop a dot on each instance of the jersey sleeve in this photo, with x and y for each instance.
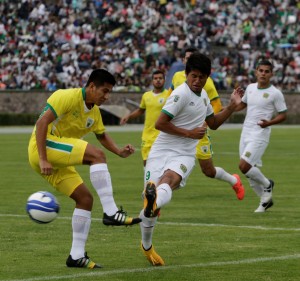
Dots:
(143, 101)
(174, 104)
(61, 102)
(280, 104)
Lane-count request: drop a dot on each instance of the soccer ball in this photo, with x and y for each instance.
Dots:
(42, 207)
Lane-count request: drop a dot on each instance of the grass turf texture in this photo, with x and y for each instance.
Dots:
(205, 233)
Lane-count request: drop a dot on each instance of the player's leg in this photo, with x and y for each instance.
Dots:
(101, 181)
(250, 159)
(204, 155)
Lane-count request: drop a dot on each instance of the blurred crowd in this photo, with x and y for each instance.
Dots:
(55, 44)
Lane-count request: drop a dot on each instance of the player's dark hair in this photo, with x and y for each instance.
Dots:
(198, 61)
(158, 72)
(189, 50)
(101, 76)
(264, 62)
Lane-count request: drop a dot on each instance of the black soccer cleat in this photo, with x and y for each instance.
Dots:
(120, 218)
(84, 262)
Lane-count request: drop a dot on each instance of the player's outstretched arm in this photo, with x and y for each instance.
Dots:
(110, 145)
(215, 121)
(134, 114)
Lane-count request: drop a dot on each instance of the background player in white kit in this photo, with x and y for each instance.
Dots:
(172, 156)
(265, 107)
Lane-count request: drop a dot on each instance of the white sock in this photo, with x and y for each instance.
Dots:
(255, 174)
(164, 195)
(101, 181)
(222, 175)
(147, 228)
(257, 187)
(81, 221)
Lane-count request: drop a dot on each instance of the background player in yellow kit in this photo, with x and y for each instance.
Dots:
(151, 103)
(203, 149)
(56, 146)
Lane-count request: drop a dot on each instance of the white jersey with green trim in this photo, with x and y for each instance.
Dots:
(187, 110)
(261, 104)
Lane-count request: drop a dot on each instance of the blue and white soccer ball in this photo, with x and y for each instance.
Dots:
(42, 207)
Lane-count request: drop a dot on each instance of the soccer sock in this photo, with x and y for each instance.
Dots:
(255, 174)
(81, 222)
(164, 195)
(101, 181)
(147, 228)
(222, 175)
(257, 187)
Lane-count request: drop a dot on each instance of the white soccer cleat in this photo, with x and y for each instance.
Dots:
(266, 201)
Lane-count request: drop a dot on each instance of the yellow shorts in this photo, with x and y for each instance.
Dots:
(204, 149)
(145, 148)
(63, 154)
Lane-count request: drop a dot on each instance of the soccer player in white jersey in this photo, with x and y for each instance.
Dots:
(172, 156)
(56, 146)
(151, 103)
(265, 107)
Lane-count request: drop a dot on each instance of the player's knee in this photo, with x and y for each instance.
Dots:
(86, 201)
(96, 156)
(243, 168)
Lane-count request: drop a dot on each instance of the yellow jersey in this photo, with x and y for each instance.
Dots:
(73, 118)
(180, 77)
(152, 103)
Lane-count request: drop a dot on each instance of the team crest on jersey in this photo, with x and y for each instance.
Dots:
(89, 122)
(204, 148)
(75, 114)
(192, 103)
(161, 101)
(176, 98)
(183, 168)
(248, 154)
(266, 95)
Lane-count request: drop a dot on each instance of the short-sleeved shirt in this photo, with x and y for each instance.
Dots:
(152, 103)
(73, 118)
(261, 104)
(187, 110)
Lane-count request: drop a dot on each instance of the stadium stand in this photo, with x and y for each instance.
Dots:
(55, 44)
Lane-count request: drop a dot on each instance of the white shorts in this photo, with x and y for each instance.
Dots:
(252, 151)
(155, 167)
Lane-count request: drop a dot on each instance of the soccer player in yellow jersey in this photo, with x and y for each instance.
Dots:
(56, 146)
(151, 103)
(203, 149)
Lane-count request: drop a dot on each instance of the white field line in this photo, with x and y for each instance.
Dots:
(258, 227)
(149, 269)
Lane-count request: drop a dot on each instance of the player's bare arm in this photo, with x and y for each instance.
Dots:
(134, 114)
(276, 120)
(215, 121)
(110, 145)
(41, 133)
(164, 124)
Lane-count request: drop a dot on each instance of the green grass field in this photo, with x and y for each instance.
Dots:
(205, 233)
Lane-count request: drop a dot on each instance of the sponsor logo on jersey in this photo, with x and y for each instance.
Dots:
(89, 122)
(176, 98)
(183, 168)
(192, 103)
(205, 102)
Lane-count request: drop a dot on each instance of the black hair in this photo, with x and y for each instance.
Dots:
(101, 76)
(198, 61)
(158, 72)
(264, 62)
(189, 50)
